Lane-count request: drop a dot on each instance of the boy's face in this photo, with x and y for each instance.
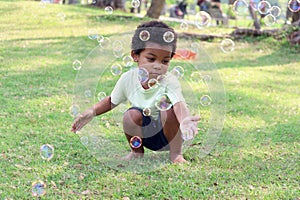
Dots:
(155, 59)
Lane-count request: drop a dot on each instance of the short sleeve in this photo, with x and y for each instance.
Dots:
(174, 89)
(118, 94)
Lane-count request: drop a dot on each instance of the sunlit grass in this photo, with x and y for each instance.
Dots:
(256, 156)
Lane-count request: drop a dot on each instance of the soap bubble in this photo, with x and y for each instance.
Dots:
(240, 7)
(144, 35)
(146, 111)
(153, 83)
(294, 5)
(87, 93)
(227, 45)
(205, 100)
(168, 36)
(135, 142)
(116, 69)
(101, 95)
(178, 71)
(135, 3)
(108, 10)
(93, 34)
(163, 102)
(263, 7)
(184, 26)
(74, 110)
(38, 188)
(127, 61)
(143, 75)
(76, 65)
(47, 151)
(105, 43)
(202, 19)
(275, 11)
(269, 20)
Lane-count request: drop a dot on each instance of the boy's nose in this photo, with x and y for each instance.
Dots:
(157, 66)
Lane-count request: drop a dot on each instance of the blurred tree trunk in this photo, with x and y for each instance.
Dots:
(253, 15)
(155, 9)
(296, 18)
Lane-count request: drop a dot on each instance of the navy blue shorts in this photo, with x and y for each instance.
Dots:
(153, 134)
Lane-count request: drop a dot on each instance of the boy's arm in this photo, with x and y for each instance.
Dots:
(99, 108)
(186, 121)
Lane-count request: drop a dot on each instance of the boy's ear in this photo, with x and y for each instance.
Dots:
(134, 56)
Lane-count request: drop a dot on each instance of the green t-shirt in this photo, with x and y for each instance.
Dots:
(129, 88)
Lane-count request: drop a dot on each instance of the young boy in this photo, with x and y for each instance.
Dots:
(158, 115)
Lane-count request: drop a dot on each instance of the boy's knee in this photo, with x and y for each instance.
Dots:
(132, 117)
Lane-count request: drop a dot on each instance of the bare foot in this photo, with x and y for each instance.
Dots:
(133, 155)
(178, 159)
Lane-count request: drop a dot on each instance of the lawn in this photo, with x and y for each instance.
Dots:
(255, 101)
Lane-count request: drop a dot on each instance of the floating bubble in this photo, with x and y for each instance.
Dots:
(47, 151)
(76, 65)
(38, 188)
(109, 10)
(196, 77)
(117, 46)
(118, 54)
(105, 43)
(87, 93)
(94, 2)
(187, 135)
(263, 7)
(93, 34)
(202, 19)
(161, 77)
(135, 3)
(184, 26)
(116, 69)
(153, 83)
(144, 35)
(168, 36)
(275, 11)
(206, 78)
(127, 61)
(146, 111)
(84, 140)
(269, 20)
(294, 5)
(178, 71)
(101, 95)
(99, 38)
(205, 100)
(240, 7)
(143, 75)
(135, 142)
(227, 45)
(163, 102)
(74, 110)
(194, 47)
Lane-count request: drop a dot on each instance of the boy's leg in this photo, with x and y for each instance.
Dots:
(132, 126)
(173, 135)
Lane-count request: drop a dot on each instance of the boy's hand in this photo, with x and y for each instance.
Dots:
(82, 120)
(188, 127)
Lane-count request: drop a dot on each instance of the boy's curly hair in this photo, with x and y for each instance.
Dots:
(156, 29)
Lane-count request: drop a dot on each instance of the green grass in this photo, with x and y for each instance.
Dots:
(257, 154)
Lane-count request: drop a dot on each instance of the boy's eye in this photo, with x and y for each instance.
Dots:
(166, 61)
(151, 59)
